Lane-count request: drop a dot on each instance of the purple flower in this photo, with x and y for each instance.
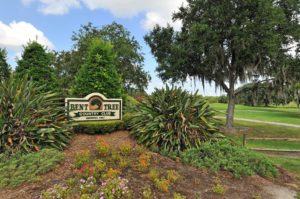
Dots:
(82, 180)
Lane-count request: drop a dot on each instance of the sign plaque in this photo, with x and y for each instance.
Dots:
(93, 107)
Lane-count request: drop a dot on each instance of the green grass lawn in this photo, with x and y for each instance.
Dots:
(268, 130)
(290, 164)
(272, 144)
(270, 114)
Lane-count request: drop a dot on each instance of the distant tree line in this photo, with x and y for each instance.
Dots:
(106, 59)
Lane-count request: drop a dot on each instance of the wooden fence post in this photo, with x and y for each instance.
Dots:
(244, 139)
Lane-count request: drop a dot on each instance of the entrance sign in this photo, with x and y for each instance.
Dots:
(94, 107)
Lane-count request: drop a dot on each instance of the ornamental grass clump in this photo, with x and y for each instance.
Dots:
(172, 119)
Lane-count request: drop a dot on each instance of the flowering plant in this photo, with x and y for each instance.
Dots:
(57, 192)
(125, 149)
(88, 186)
(102, 147)
(99, 168)
(82, 157)
(111, 173)
(86, 171)
(114, 188)
(144, 161)
(172, 175)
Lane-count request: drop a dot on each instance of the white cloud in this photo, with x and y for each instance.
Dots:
(153, 18)
(54, 7)
(27, 2)
(156, 11)
(16, 34)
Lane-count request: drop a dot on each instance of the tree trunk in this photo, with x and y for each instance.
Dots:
(231, 106)
(298, 98)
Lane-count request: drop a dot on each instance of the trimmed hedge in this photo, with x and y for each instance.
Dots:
(98, 127)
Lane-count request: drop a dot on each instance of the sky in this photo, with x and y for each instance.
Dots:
(52, 23)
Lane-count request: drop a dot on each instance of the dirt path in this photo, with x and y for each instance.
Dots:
(264, 122)
(193, 181)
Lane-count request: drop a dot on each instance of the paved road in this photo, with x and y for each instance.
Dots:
(265, 122)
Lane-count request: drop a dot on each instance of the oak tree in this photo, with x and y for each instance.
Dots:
(225, 41)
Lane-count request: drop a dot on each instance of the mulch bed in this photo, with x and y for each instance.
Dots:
(193, 182)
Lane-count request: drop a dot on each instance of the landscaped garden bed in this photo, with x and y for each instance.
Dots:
(191, 182)
(173, 150)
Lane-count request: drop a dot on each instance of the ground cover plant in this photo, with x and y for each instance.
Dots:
(224, 155)
(31, 119)
(258, 130)
(172, 120)
(22, 168)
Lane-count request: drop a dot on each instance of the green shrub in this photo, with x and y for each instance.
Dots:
(223, 99)
(172, 120)
(126, 120)
(224, 155)
(36, 64)
(98, 127)
(31, 119)
(129, 104)
(99, 72)
(22, 168)
(211, 99)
